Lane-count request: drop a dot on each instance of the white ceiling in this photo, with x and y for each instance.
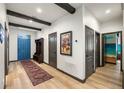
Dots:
(50, 12)
(98, 10)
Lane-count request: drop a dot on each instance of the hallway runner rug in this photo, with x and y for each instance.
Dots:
(36, 74)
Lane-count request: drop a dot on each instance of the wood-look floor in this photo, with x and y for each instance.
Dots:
(104, 77)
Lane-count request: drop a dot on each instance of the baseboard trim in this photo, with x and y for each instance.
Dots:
(82, 81)
(13, 61)
(45, 63)
(110, 63)
(18, 60)
(4, 86)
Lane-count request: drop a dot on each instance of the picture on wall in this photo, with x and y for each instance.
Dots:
(1, 34)
(110, 48)
(66, 43)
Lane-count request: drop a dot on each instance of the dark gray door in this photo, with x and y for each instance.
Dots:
(53, 49)
(103, 46)
(89, 48)
(6, 50)
(123, 79)
(97, 49)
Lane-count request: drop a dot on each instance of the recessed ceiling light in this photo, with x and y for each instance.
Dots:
(39, 10)
(30, 21)
(108, 11)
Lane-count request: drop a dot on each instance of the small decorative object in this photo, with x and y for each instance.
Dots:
(1, 34)
(66, 43)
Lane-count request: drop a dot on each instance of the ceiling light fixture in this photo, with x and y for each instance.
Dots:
(30, 21)
(108, 11)
(39, 10)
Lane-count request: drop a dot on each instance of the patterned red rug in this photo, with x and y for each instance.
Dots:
(36, 74)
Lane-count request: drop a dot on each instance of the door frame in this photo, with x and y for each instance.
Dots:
(49, 48)
(103, 63)
(6, 50)
(99, 49)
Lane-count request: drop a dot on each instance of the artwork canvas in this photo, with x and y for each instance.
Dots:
(110, 48)
(66, 43)
(1, 34)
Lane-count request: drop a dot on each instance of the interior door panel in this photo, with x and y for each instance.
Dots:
(53, 49)
(89, 48)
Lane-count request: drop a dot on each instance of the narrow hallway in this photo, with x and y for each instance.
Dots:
(79, 46)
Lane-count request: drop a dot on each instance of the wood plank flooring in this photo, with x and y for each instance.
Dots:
(104, 78)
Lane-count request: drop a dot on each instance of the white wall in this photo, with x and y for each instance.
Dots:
(123, 50)
(91, 21)
(123, 40)
(2, 21)
(13, 42)
(113, 25)
(74, 64)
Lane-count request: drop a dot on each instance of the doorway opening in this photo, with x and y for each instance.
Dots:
(97, 49)
(112, 49)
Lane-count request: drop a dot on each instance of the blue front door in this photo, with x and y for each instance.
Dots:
(23, 47)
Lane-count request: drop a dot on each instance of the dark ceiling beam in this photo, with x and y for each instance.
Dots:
(16, 14)
(23, 26)
(67, 7)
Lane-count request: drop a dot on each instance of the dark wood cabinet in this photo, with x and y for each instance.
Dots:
(39, 54)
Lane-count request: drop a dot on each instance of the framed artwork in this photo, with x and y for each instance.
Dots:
(66, 43)
(1, 34)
